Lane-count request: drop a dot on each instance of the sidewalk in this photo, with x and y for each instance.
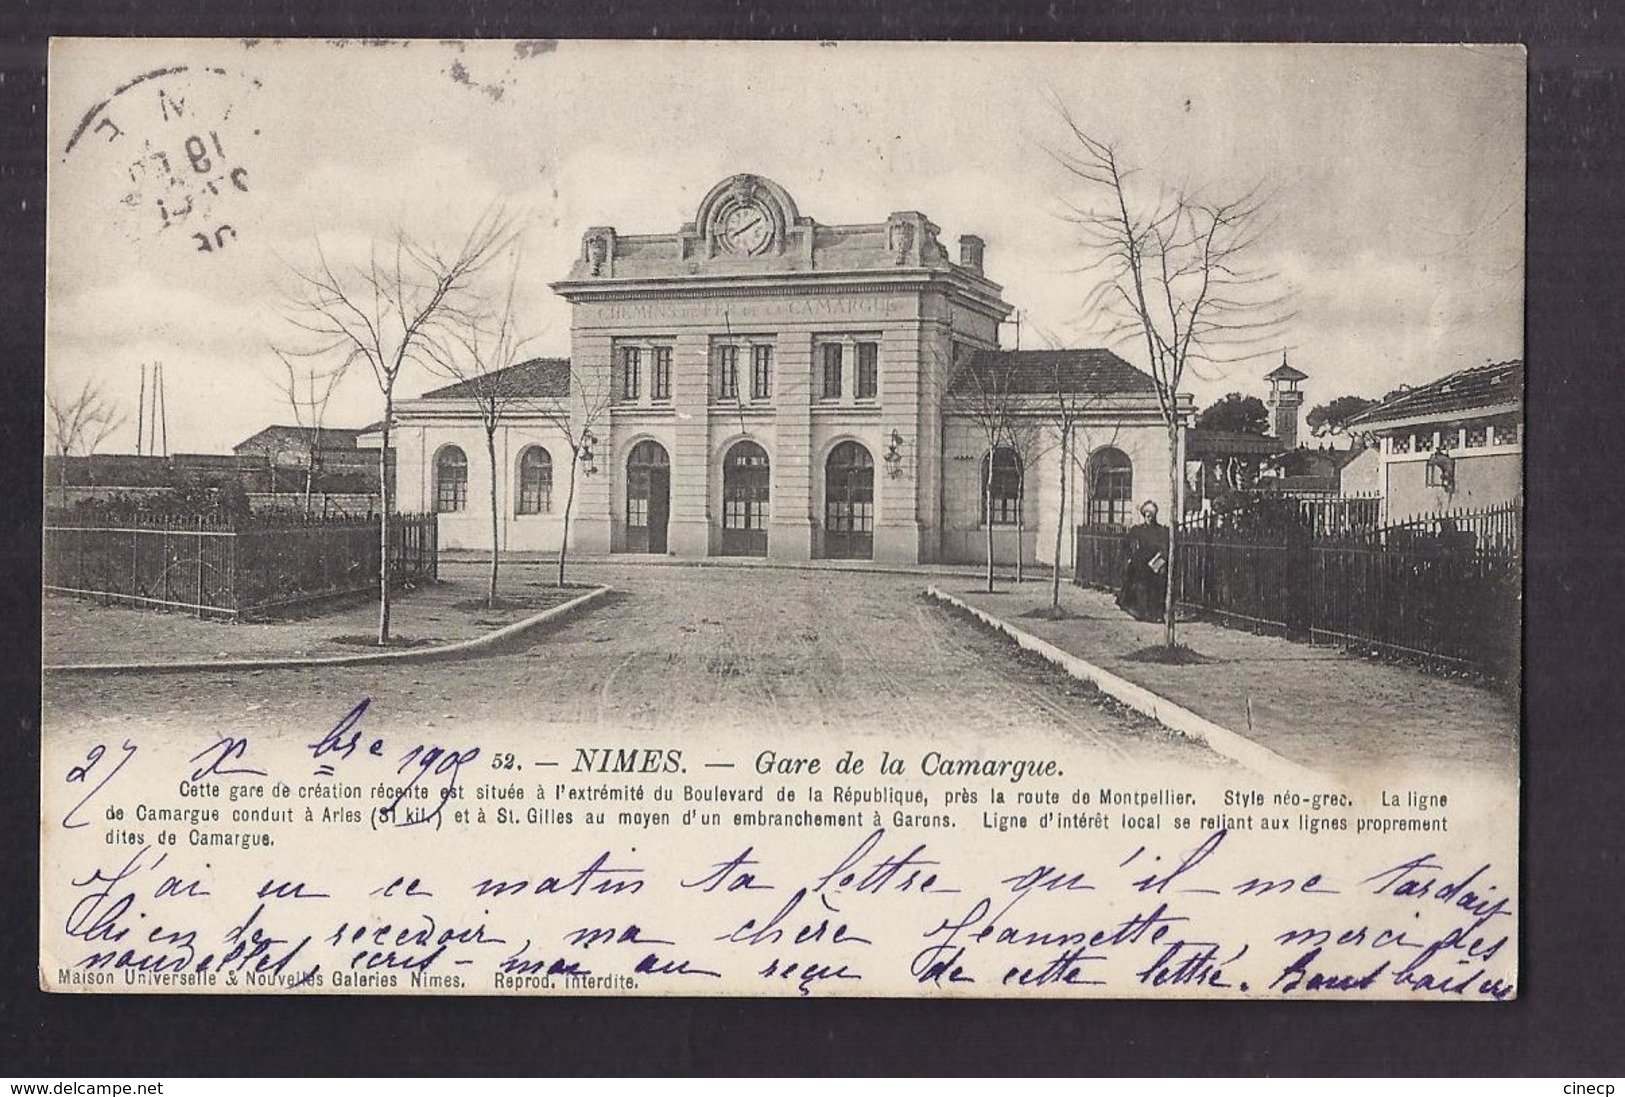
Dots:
(1314, 706)
(79, 631)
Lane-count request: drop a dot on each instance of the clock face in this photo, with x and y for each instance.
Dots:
(746, 229)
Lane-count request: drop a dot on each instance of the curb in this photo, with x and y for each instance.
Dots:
(410, 655)
(1221, 740)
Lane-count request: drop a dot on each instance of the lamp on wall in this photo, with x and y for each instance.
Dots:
(893, 456)
(1441, 472)
(584, 454)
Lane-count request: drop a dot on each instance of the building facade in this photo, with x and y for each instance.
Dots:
(758, 383)
(1455, 443)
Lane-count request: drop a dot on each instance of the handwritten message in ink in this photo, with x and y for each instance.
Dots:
(367, 858)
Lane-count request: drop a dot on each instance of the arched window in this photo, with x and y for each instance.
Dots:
(1003, 494)
(535, 481)
(1111, 487)
(450, 480)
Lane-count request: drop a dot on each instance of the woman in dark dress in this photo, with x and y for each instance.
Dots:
(1145, 574)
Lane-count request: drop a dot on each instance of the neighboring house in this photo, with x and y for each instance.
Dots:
(290, 447)
(777, 389)
(1219, 463)
(1454, 443)
(1361, 474)
(1308, 471)
(268, 466)
(346, 458)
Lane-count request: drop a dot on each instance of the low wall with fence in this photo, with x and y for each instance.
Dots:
(321, 504)
(1446, 588)
(218, 569)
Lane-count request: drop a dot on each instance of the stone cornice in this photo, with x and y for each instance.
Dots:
(786, 283)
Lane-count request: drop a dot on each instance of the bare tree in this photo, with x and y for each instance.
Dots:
(388, 314)
(575, 416)
(984, 395)
(1065, 410)
(479, 354)
(1177, 271)
(79, 423)
(1029, 438)
(308, 389)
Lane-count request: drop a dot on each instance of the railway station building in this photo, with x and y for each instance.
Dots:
(757, 383)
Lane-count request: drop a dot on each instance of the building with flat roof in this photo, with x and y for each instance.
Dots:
(759, 383)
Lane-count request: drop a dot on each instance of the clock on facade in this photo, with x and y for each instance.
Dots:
(746, 229)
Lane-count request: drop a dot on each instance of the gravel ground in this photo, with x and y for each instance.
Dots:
(680, 654)
(82, 631)
(1315, 705)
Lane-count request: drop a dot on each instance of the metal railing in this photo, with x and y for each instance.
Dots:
(1444, 588)
(221, 569)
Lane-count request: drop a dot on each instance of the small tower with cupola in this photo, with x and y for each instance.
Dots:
(1286, 399)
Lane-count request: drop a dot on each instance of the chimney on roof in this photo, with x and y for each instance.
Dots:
(970, 252)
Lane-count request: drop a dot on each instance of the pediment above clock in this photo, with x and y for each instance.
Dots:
(746, 215)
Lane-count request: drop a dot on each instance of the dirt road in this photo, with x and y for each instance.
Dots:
(680, 653)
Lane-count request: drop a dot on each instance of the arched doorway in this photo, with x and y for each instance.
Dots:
(849, 503)
(745, 487)
(648, 497)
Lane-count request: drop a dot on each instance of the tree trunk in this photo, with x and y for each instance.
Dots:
(310, 481)
(1060, 526)
(1021, 522)
(569, 502)
(383, 521)
(987, 517)
(1176, 482)
(491, 454)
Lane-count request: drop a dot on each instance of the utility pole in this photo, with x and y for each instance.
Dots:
(161, 407)
(140, 413)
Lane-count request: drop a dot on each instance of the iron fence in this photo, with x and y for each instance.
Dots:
(1446, 588)
(1325, 515)
(1488, 529)
(221, 569)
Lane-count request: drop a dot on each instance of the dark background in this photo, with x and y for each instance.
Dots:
(1570, 1018)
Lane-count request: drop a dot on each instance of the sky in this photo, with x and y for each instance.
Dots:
(1395, 176)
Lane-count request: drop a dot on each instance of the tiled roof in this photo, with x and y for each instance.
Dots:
(542, 378)
(332, 437)
(1284, 372)
(1481, 386)
(1094, 370)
